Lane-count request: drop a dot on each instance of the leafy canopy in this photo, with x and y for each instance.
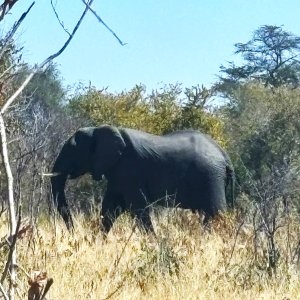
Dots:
(270, 57)
(161, 112)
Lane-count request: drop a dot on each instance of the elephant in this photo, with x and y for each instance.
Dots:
(142, 168)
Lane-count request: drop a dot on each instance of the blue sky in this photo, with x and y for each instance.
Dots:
(168, 41)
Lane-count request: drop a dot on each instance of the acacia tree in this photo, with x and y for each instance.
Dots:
(257, 120)
(261, 119)
(271, 57)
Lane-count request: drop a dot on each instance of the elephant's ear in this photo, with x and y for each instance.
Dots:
(108, 146)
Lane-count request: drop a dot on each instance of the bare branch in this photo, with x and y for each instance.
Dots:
(45, 62)
(12, 217)
(14, 29)
(9, 261)
(3, 241)
(61, 50)
(103, 23)
(5, 7)
(47, 287)
(58, 19)
(6, 71)
(17, 92)
(39, 285)
(3, 292)
(116, 263)
(235, 241)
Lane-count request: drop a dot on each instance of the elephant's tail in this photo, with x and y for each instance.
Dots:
(230, 180)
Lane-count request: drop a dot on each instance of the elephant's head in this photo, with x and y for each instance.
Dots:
(93, 150)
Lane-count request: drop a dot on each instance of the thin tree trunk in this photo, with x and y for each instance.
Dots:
(11, 206)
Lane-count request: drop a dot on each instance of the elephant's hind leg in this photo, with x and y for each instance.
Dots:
(212, 198)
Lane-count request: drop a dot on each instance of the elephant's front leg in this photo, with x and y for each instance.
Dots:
(112, 207)
(144, 219)
(140, 208)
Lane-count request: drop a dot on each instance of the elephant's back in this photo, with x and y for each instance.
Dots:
(195, 144)
(180, 146)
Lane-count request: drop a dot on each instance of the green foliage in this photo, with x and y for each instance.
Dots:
(271, 57)
(161, 112)
(164, 109)
(46, 87)
(10, 56)
(265, 136)
(126, 109)
(261, 112)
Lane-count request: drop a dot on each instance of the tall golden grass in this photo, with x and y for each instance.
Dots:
(228, 260)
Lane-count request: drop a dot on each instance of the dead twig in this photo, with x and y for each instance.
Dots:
(14, 29)
(39, 285)
(88, 5)
(235, 241)
(114, 291)
(44, 63)
(59, 20)
(11, 249)
(3, 292)
(61, 50)
(3, 209)
(5, 7)
(3, 242)
(116, 263)
(24, 231)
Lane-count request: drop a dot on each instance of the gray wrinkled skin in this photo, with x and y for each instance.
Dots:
(142, 168)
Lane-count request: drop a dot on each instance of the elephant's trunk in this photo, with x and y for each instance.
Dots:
(58, 190)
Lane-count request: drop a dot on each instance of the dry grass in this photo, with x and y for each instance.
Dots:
(183, 261)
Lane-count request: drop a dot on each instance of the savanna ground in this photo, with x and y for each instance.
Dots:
(228, 260)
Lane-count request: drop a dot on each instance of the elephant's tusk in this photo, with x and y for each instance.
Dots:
(51, 174)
